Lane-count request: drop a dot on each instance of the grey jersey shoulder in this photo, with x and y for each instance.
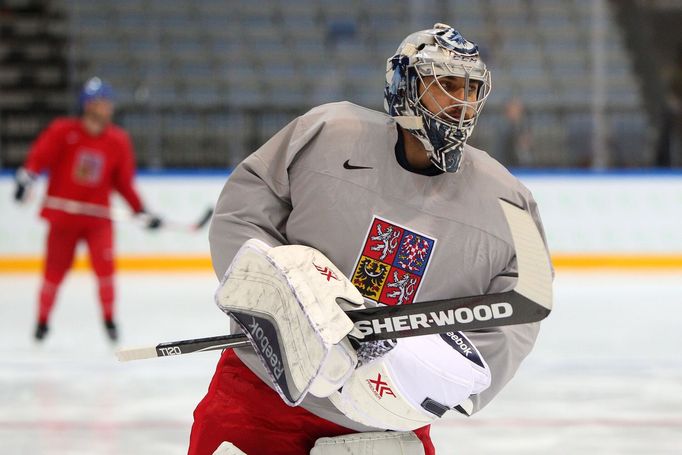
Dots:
(345, 122)
(491, 173)
(343, 111)
(481, 182)
(344, 130)
(318, 136)
(487, 179)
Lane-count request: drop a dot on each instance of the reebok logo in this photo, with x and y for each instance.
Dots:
(347, 165)
(265, 346)
(459, 342)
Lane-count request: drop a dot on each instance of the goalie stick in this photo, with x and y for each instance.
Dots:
(116, 214)
(529, 301)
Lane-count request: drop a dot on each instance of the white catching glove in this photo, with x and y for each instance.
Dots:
(414, 383)
(286, 299)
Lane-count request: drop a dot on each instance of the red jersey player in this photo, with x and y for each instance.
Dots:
(86, 158)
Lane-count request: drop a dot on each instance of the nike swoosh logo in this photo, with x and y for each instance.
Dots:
(347, 165)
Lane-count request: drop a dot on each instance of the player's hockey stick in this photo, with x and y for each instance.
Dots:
(116, 214)
(530, 301)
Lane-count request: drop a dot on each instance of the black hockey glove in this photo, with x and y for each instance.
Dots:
(154, 222)
(151, 222)
(23, 180)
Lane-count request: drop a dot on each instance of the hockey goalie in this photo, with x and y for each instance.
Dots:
(348, 208)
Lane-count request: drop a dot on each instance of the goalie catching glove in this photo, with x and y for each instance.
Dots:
(286, 299)
(414, 382)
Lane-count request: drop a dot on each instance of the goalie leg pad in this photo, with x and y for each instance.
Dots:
(373, 443)
(285, 300)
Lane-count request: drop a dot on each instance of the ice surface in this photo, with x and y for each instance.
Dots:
(605, 377)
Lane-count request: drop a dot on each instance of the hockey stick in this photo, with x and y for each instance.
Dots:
(116, 214)
(530, 301)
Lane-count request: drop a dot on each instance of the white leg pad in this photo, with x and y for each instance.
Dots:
(227, 448)
(373, 443)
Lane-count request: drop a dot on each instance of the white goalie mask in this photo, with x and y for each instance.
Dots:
(426, 63)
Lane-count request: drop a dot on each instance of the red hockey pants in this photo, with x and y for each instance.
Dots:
(242, 409)
(61, 247)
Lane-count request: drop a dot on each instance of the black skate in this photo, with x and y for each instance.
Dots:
(112, 331)
(41, 331)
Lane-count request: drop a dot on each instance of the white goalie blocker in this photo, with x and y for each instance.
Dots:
(285, 300)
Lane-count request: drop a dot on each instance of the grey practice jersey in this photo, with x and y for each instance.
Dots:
(330, 180)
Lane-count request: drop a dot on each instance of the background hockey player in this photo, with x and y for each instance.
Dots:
(86, 159)
(350, 207)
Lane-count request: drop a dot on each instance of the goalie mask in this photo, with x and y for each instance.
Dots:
(440, 69)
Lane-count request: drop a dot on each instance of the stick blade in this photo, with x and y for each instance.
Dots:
(125, 355)
(534, 264)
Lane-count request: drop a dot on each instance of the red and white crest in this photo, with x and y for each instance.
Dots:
(392, 263)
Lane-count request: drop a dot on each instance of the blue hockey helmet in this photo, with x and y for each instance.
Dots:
(93, 89)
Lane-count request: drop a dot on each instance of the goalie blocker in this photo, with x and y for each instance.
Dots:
(285, 300)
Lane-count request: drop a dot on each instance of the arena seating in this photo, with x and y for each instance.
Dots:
(183, 67)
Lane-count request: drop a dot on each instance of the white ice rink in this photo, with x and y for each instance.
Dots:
(605, 377)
